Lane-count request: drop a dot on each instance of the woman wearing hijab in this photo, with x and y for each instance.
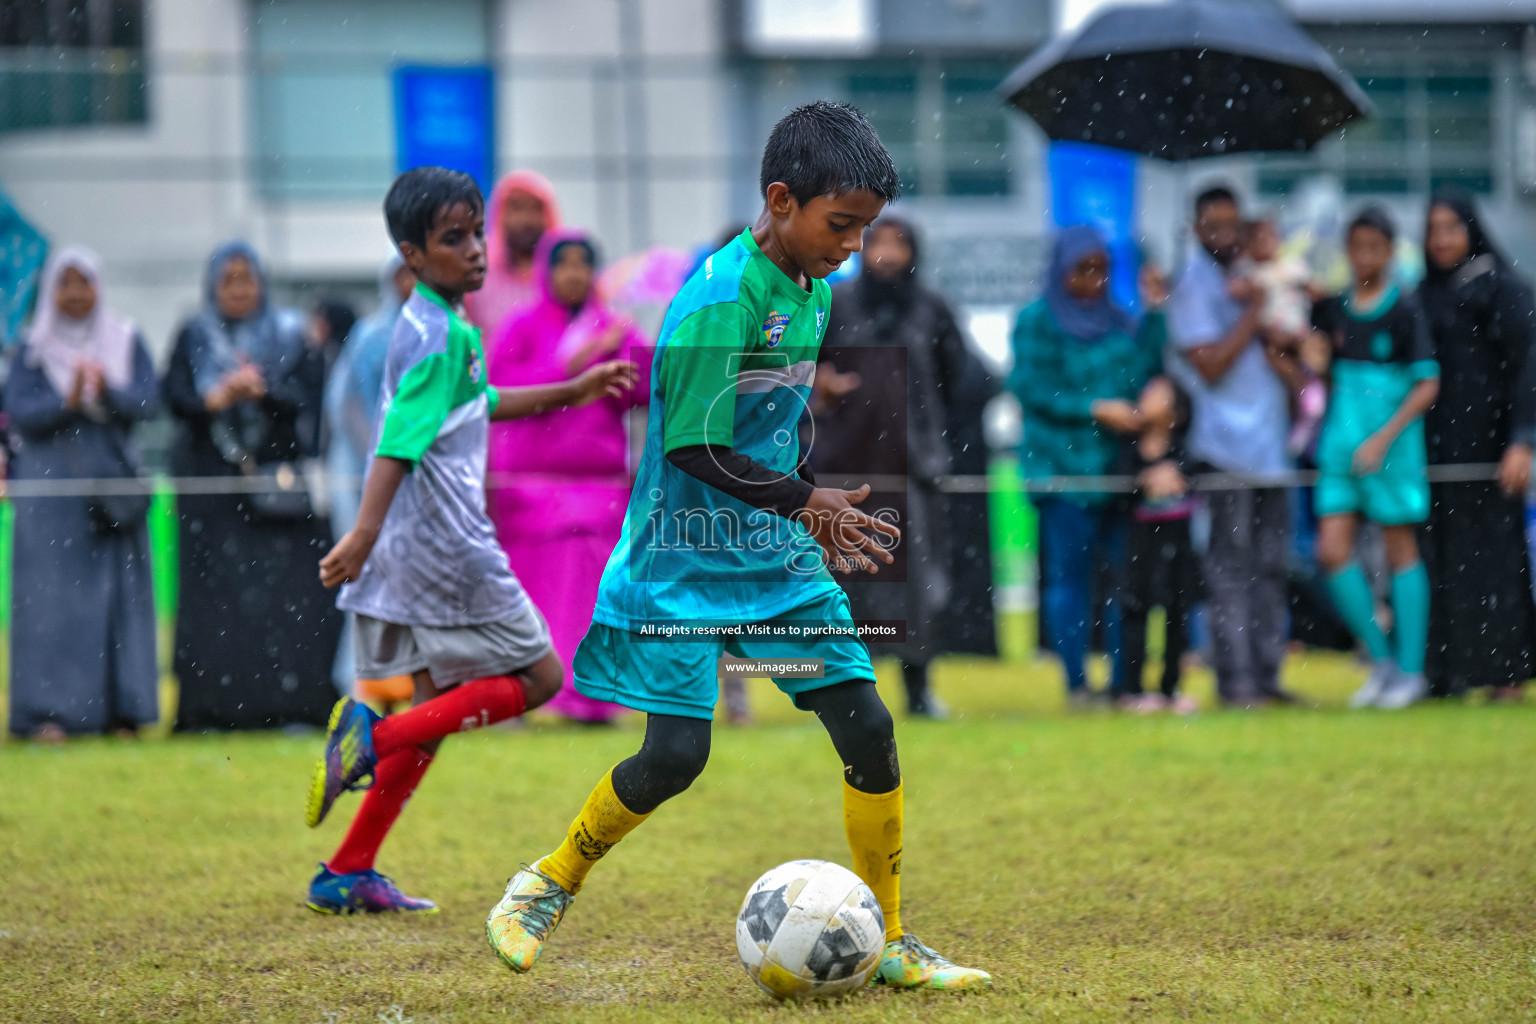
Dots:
(83, 627)
(255, 632)
(1079, 361)
(894, 371)
(351, 413)
(1482, 627)
(559, 483)
(521, 209)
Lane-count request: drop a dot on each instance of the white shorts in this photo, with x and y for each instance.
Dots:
(452, 654)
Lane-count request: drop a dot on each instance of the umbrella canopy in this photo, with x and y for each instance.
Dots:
(1184, 80)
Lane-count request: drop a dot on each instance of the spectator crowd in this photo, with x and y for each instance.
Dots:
(1158, 445)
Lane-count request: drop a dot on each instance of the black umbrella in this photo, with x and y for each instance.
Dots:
(1188, 79)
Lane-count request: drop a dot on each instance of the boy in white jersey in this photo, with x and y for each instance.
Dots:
(431, 589)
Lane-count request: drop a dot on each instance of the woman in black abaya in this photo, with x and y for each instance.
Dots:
(1482, 629)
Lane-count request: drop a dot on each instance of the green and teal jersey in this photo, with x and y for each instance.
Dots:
(1378, 356)
(734, 365)
(437, 561)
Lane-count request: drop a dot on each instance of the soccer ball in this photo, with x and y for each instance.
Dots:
(810, 929)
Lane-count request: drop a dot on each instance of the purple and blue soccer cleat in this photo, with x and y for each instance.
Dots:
(361, 892)
(348, 758)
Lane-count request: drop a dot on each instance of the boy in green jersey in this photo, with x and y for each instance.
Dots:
(726, 529)
(1371, 457)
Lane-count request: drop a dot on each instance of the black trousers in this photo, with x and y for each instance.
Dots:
(1161, 569)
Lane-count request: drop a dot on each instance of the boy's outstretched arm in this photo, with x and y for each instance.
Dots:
(611, 378)
(344, 562)
(1373, 451)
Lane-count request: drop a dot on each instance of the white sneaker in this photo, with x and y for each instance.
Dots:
(1408, 688)
(1383, 673)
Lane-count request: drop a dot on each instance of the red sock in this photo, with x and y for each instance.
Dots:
(395, 780)
(468, 706)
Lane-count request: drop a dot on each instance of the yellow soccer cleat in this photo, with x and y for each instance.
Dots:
(910, 964)
(521, 923)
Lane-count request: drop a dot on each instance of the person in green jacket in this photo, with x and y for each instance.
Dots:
(1079, 362)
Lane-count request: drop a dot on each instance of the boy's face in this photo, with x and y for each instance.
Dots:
(1369, 253)
(824, 232)
(453, 260)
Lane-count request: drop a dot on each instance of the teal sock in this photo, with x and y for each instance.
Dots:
(1410, 611)
(1352, 596)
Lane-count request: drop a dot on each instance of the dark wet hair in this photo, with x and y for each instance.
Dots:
(419, 196)
(1375, 218)
(1214, 194)
(826, 148)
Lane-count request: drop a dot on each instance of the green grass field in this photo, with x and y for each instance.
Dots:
(1300, 865)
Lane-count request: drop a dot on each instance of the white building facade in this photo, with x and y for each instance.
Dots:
(152, 130)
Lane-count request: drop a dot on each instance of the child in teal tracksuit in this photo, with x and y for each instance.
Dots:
(1371, 457)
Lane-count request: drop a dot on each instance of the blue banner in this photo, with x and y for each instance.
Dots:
(1097, 185)
(446, 116)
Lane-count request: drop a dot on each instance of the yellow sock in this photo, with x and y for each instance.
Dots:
(873, 821)
(603, 821)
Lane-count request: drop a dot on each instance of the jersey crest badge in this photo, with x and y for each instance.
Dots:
(821, 318)
(476, 368)
(773, 327)
(1381, 346)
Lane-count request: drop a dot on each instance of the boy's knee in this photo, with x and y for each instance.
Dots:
(673, 755)
(1333, 556)
(542, 681)
(678, 760)
(869, 736)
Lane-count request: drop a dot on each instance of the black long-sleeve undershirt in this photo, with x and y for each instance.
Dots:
(744, 478)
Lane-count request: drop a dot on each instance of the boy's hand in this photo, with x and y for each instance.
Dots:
(840, 528)
(610, 379)
(1370, 455)
(344, 562)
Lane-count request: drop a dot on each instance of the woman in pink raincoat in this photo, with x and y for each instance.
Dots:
(521, 209)
(559, 483)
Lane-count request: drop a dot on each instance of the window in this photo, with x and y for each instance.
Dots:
(325, 108)
(941, 121)
(1433, 126)
(77, 62)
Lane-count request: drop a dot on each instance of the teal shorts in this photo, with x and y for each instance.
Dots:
(680, 676)
(1365, 396)
(1391, 499)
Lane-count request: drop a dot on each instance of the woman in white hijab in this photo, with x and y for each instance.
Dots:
(83, 625)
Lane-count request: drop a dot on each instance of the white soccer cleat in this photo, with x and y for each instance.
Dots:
(1383, 672)
(1407, 688)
